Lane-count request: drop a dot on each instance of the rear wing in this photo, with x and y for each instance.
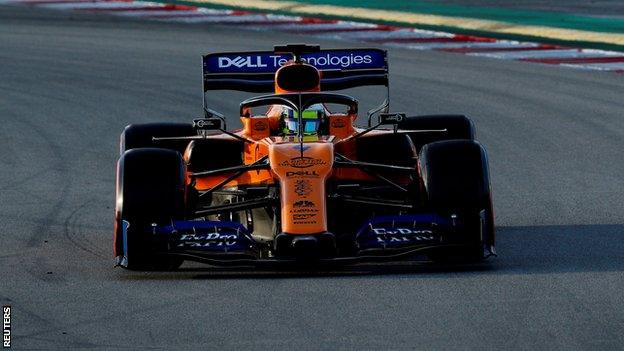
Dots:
(255, 71)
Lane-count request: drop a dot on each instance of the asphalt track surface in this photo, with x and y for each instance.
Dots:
(70, 83)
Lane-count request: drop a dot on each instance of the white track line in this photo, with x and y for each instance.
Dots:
(393, 34)
(480, 45)
(450, 45)
(316, 27)
(502, 45)
(167, 14)
(159, 13)
(242, 19)
(558, 53)
(112, 5)
(611, 66)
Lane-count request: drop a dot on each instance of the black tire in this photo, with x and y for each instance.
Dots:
(150, 189)
(457, 127)
(137, 136)
(456, 178)
(211, 154)
(388, 148)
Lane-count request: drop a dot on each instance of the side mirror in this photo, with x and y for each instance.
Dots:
(391, 118)
(205, 124)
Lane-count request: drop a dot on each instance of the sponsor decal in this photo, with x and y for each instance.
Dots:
(304, 207)
(207, 123)
(313, 174)
(303, 187)
(269, 62)
(240, 62)
(343, 61)
(302, 210)
(260, 126)
(208, 240)
(391, 235)
(6, 327)
(394, 118)
(391, 118)
(302, 162)
(303, 216)
(400, 231)
(303, 203)
(322, 61)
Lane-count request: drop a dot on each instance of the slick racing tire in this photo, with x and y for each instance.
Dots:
(150, 190)
(456, 179)
(437, 128)
(137, 136)
(211, 154)
(389, 149)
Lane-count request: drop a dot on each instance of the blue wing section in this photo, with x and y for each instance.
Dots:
(269, 62)
(402, 231)
(254, 71)
(215, 236)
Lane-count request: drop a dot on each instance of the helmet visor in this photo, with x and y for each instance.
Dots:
(310, 126)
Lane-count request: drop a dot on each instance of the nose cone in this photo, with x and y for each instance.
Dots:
(302, 185)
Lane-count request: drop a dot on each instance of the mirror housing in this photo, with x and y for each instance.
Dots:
(205, 124)
(391, 118)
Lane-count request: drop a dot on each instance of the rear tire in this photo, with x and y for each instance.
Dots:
(457, 127)
(137, 136)
(208, 155)
(456, 179)
(388, 148)
(150, 189)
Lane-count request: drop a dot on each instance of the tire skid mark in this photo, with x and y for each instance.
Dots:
(58, 162)
(55, 224)
(11, 185)
(37, 263)
(72, 226)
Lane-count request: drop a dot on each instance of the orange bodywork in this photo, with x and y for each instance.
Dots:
(302, 176)
(302, 180)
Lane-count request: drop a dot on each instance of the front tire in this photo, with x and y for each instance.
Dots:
(150, 190)
(457, 182)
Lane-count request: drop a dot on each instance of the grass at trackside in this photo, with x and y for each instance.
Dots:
(413, 5)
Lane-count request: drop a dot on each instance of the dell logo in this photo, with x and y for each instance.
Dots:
(241, 62)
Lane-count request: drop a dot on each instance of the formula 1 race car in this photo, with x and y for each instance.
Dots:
(299, 182)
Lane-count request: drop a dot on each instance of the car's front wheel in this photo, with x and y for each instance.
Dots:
(150, 191)
(456, 178)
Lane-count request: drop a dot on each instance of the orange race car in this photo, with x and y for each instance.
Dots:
(299, 182)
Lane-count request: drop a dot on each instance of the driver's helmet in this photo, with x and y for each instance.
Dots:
(312, 117)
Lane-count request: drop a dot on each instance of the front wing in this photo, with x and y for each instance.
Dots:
(385, 238)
